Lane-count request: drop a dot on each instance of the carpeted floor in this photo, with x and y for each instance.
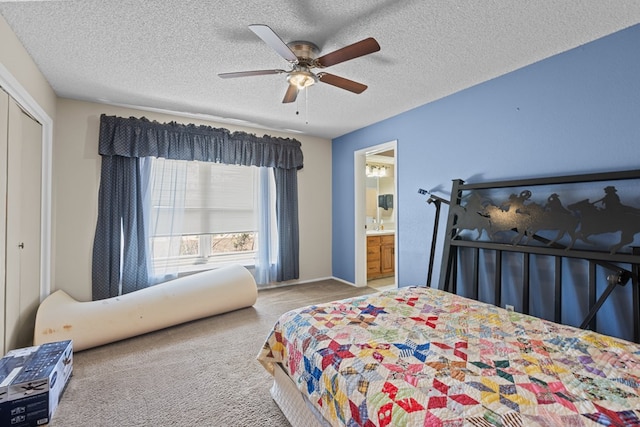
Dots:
(202, 373)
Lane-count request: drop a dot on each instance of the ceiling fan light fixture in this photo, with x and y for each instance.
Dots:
(302, 78)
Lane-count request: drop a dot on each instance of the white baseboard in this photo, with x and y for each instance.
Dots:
(300, 282)
(345, 282)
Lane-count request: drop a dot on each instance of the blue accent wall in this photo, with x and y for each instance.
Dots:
(576, 112)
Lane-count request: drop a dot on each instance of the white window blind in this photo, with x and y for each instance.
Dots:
(218, 198)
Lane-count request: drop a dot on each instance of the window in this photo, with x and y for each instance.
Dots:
(124, 262)
(202, 214)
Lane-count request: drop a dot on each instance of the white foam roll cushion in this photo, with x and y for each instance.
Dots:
(94, 323)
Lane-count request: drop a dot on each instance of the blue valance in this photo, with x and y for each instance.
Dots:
(140, 137)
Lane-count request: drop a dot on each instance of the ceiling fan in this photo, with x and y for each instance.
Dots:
(303, 57)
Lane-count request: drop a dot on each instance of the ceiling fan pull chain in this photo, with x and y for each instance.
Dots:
(297, 106)
(306, 106)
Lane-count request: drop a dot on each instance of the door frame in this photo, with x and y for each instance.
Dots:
(24, 99)
(360, 235)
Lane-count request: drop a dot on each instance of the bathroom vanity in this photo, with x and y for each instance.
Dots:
(380, 254)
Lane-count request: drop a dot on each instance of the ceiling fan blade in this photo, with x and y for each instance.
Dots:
(361, 48)
(274, 41)
(291, 95)
(342, 83)
(249, 73)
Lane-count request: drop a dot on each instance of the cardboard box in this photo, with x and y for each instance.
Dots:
(32, 380)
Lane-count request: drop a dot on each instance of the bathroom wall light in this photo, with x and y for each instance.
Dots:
(376, 171)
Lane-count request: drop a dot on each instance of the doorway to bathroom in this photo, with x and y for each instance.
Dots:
(375, 216)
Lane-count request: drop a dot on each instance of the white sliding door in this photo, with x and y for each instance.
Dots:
(22, 226)
(4, 125)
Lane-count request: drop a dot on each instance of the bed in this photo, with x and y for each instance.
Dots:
(450, 355)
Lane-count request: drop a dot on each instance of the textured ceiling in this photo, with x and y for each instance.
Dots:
(165, 55)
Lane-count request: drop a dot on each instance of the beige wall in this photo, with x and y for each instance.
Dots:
(22, 79)
(18, 62)
(76, 169)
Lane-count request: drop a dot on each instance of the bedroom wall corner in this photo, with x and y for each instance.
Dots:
(18, 62)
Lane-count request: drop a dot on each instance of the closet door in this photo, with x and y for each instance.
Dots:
(4, 116)
(23, 223)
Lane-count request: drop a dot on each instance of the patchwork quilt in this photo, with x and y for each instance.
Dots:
(424, 357)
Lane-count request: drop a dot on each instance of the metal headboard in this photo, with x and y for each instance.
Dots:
(523, 225)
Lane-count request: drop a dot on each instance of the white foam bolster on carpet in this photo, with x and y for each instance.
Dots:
(90, 324)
